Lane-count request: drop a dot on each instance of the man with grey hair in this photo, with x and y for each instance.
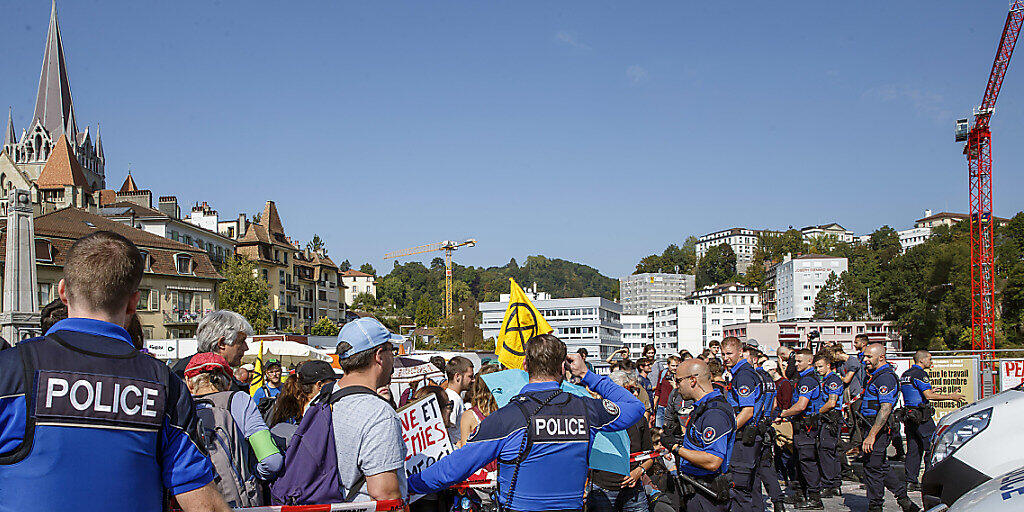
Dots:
(221, 332)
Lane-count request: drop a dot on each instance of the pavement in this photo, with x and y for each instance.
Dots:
(855, 499)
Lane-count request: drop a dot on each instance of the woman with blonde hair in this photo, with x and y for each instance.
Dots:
(482, 404)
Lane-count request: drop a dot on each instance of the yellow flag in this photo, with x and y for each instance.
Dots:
(522, 322)
(257, 373)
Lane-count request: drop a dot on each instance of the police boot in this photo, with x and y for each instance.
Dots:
(831, 492)
(813, 502)
(795, 498)
(907, 505)
(780, 507)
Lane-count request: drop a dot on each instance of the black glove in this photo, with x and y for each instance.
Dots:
(668, 441)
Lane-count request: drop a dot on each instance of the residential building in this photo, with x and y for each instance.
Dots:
(913, 237)
(166, 223)
(179, 284)
(931, 220)
(640, 293)
(320, 288)
(676, 328)
(742, 240)
(594, 323)
(769, 295)
(831, 230)
(796, 334)
(56, 162)
(637, 331)
(356, 282)
(265, 243)
(204, 216)
(798, 279)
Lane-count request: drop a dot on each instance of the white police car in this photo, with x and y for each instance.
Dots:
(1005, 492)
(972, 445)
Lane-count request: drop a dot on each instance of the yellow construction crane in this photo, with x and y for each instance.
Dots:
(447, 246)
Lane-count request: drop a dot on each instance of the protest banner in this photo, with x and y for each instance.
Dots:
(948, 374)
(1011, 373)
(423, 430)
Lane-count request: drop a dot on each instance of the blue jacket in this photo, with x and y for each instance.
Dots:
(831, 385)
(882, 387)
(809, 387)
(913, 384)
(95, 424)
(766, 405)
(712, 429)
(553, 470)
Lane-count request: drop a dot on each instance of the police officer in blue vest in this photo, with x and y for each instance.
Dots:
(918, 411)
(808, 400)
(744, 395)
(766, 474)
(542, 438)
(831, 422)
(704, 451)
(87, 422)
(876, 411)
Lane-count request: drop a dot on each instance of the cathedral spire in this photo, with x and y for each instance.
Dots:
(53, 101)
(9, 136)
(99, 142)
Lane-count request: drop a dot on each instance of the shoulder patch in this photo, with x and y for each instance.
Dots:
(833, 385)
(610, 406)
(708, 434)
(744, 390)
(804, 389)
(883, 389)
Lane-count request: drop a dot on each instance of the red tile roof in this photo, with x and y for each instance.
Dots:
(355, 273)
(62, 168)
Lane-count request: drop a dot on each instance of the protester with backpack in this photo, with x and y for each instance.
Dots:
(230, 426)
(271, 386)
(348, 446)
(296, 395)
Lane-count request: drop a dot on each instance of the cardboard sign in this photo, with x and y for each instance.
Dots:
(947, 375)
(426, 438)
(1011, 373)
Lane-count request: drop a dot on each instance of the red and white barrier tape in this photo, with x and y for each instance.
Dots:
(647, 455)
(366, 506)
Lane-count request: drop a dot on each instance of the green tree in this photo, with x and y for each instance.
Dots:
(673, 259)
(717, 266)
(364, 302)
(317, 245)
(1010, 266)
(366, 268)
(324, 327)
(345, 266)
(426, 313)
(245, 293)
(842, 298)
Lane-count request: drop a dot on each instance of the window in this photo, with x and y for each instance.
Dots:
(184, 263)
(149, 300)
(44, 293)
(266, 275)
(44, 252)
(280, 274)
(147, 260)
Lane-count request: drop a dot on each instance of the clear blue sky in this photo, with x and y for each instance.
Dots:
(592, 131)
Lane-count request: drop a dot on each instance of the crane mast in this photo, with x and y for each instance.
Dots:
(978, 151)
(447, 246)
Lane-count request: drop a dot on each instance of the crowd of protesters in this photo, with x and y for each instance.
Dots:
(309, 434)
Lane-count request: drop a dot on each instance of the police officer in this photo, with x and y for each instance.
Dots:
(542, 438)
(880, 393)
(919, 425)
(804, 412)
(704, 451)
(830, 425)
(766, 474)
(96, 422)
(744, 394)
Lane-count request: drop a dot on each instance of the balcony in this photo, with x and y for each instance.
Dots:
(182, 317)
(292, 308)
(292, 287)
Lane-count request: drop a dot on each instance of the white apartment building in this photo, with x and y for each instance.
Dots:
(742, 240)
(797, 281)
(913, 237)
(835, 230)
(636, 333)
(167, 222)
(676, 328)
(594, 323)
(640, 293)
(357, 282)
(204, 216)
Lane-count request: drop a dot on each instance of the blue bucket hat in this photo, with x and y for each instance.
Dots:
(364, 334)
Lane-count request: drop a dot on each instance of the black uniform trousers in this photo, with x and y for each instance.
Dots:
(806, 441)
(697, 502)
(743, 468)
(879, 475)
(828, 456)
(767, 476)
(919, 438)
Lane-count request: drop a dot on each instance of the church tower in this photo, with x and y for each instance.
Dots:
(54, 116)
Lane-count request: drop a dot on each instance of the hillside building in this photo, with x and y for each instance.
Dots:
(640, 293)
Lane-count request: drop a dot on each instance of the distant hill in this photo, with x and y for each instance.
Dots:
(408, 284)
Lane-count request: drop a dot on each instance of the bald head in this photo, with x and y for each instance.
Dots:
(783, 352)
(874, 355)
(693, 379)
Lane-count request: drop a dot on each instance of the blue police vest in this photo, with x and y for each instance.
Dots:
(881, 387)
(832, 384)
(84, 424)
(911, 386)
(809, 384)
(768, 392)
(693, 437)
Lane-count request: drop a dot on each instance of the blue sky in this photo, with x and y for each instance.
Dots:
(592, 131)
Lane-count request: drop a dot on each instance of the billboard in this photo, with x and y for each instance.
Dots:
(948, 374)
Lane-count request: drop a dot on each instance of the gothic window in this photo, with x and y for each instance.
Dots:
(38, 147)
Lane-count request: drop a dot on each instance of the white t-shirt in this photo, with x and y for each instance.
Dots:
(458, 407)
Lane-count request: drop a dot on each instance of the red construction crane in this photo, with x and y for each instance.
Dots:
(979, 163)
